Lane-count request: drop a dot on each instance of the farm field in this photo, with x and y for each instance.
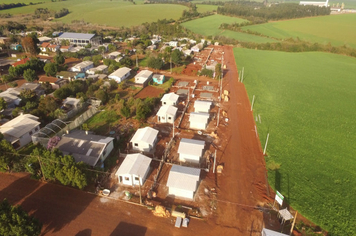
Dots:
(306, 103)
(336, 29)
(204, 8)
(110, 13)
(209, 26)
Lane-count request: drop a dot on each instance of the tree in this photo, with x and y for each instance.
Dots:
(29, 45)
(30, 75)
(6, 78)
(218, 71)
(15, 221)
(8, 157)
(101, 49)
(155, 63)
(51, 69)
(3, 104)
(111, 47)
(59, 58)
(102, 95)
(177, 57)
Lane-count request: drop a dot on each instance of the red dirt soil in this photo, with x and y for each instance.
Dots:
(149, 91)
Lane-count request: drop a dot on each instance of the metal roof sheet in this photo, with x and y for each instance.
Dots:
(202, 105)
(167, 109)
(191, 147)
(170, 97)
(66, 35)
(120, 72)
(147, 135)
(134, 164)
(183, 177)
(267, 232)
(20, 125)
(199, 117)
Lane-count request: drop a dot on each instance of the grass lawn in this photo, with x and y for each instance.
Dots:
(100, 123)
(111, 13)
(336, 29)
(306, 103)
(209, 26)
(201, 8)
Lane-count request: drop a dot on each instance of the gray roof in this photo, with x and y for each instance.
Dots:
(167, 110)
(120, 72)
(71, 101)
(146, 135)
(202, 105)
(191, 147)
(183, 177)
(144, 74)
(134, 164)
(83, 147)
(170, 97)
(268, 232)
(19, 126)
(67, 35)
(199, 117)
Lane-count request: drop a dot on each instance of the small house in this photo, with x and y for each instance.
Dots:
(18, 131)
(98, 69)
(72, 102)
(21, 62)
(120, 74)
(65, 48)
(198, 120)
(134, 169)
(170, 99)
(82, 67)
(183, 181)
(37, 88)
(16, 47)
(143, 77)
(55, 82)
(44, 46)
(268, 232)
(173, 43)
(88, 148)
(159, 79)
(113, 55)
(66, 75)
(144, 139)
(167, 114)
(202, 106)
(191, 150)
(11, 98)
(54, 47)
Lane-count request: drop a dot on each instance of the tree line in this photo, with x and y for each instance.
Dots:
(274, 12)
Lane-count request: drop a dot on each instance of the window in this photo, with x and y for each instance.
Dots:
(163, 118)
(137, 178)
(30, 133)
(136, 144)
(127, 179)
(169, 118)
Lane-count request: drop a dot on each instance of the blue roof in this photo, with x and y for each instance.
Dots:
(76, 36)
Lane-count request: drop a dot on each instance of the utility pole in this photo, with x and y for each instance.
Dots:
(295, 218)
(253, 101)
(265, 149)
(139, 187)
(170, 60)
(217, 124)
(136, 58)
(43, 174)
(173, 128)
(214, 162)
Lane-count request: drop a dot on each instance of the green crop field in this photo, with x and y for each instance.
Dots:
(209, 26)
(111, 13)
(306, 102)
(336, 29)
(201, 8)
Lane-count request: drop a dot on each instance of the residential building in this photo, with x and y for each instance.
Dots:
(183, 181)
(88, 148)
(65, 48)
(54, 47)
(144, 139)
(98, 69)
(72, 102)
(21, 62)
(43, 47)
(120, 74)
(143, 77)
(18, 131)
(159, 79)
(134, 169)
(37, 88)
(82, 67)
(268, 232)
(191, 150)
(55, 82)
(198, 120)
(11, 98)
(170, 99)
(197, 47)
(44, 39)
(167, 114)
(68, 75)
(80, 39)
(4, 40)
(173, 43)
(113, 55)
(202, 106)
(15, 46)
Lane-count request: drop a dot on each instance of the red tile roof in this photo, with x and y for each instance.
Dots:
(45, 44)
(48, 79)
(20, 62)
(53, 46)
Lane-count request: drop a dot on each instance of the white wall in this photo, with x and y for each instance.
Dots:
(167, 119)
(26, 138)
(144, 147)
(197, 125)
(180, 193)
(189, 158)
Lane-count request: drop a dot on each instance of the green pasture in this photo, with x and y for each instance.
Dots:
(201, 8)
(111, 13)
(306, 102)
(209, 26)
(336, 29)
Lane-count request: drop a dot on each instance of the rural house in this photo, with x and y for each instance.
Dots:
(43, 47)
(88, 148)
(198, 120)
(173, 43)
(170, 99)
(167, 114)
(202, 106)
(37, 88)
(144, 139)
(65, 48)
(80, 39)
(98, 69)
(134, 169)
(18, 131)
(183, 181)
(268, 232)
(82, 67)
(72, 102)
(120, 74)
(53, 81)
(11, 98)
(21, 62)
(191, 150)
(157, 78)
(143, 77)
(66, 75)
(54, 47)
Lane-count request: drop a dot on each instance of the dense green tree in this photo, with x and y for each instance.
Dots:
(51, 69)
(30, 75)
(8, 156)
(59, 58)
(102, 95)
(112, 47)
(218, 71)
(155, 63)
(177, 57)
(15, 221)
(3, 104)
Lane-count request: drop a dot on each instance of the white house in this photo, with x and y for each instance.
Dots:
(134, 169)
(268, 232)
(170, 99)
(197, 47)
(202, 106)
(72, 102)
(18, 131)
(54, 47)
(144, 139)
(183, 181)
(82, 67)
(143, 77)
(198, 120)
(167, 114)
(100, 69)
(120, 74)
(191, 150)
(88, 148)
(113, 55)
(11, 98)
(173, 43)
(320, 4)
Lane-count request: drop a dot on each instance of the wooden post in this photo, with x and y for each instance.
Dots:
(217, 124)
(214, 162)
(295, 218)
(265, 149)
(139, 187)
(43, 174)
